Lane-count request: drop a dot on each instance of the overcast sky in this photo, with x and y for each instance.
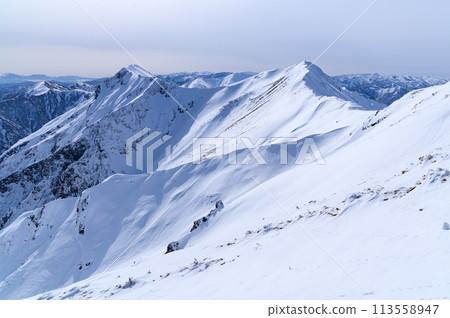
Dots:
(56, 37)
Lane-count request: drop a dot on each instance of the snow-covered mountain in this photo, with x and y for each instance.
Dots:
(27, 109)
(79, 223)
(386, 88)
(86, 144)
(206, 79)
(383, 88)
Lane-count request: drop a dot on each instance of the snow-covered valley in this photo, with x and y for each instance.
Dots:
(78, 223)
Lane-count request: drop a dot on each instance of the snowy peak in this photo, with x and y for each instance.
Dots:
(44, 87)
(311, 76)
(129, 78)
(30, 108)
(133, 70)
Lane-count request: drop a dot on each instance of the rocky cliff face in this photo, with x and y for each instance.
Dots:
(25, 110)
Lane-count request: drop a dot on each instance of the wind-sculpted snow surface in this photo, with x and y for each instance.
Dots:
(90, 228)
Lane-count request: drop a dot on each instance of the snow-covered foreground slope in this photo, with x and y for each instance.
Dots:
(367, 224)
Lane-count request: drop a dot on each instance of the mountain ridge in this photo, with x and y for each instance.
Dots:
(132, 100)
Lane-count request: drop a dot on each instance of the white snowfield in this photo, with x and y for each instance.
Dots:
(369, 224)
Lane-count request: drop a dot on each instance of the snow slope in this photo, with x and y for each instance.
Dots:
(367, 224)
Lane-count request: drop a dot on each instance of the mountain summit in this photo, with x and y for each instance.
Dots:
(135, 70)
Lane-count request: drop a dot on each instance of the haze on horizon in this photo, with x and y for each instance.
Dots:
(51, 37)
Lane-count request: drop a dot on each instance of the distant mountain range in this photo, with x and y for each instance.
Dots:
(206, 79)
(386, 88)
(10, 78)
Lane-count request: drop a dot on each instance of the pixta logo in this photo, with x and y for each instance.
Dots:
(214, 148)
(146, 142)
